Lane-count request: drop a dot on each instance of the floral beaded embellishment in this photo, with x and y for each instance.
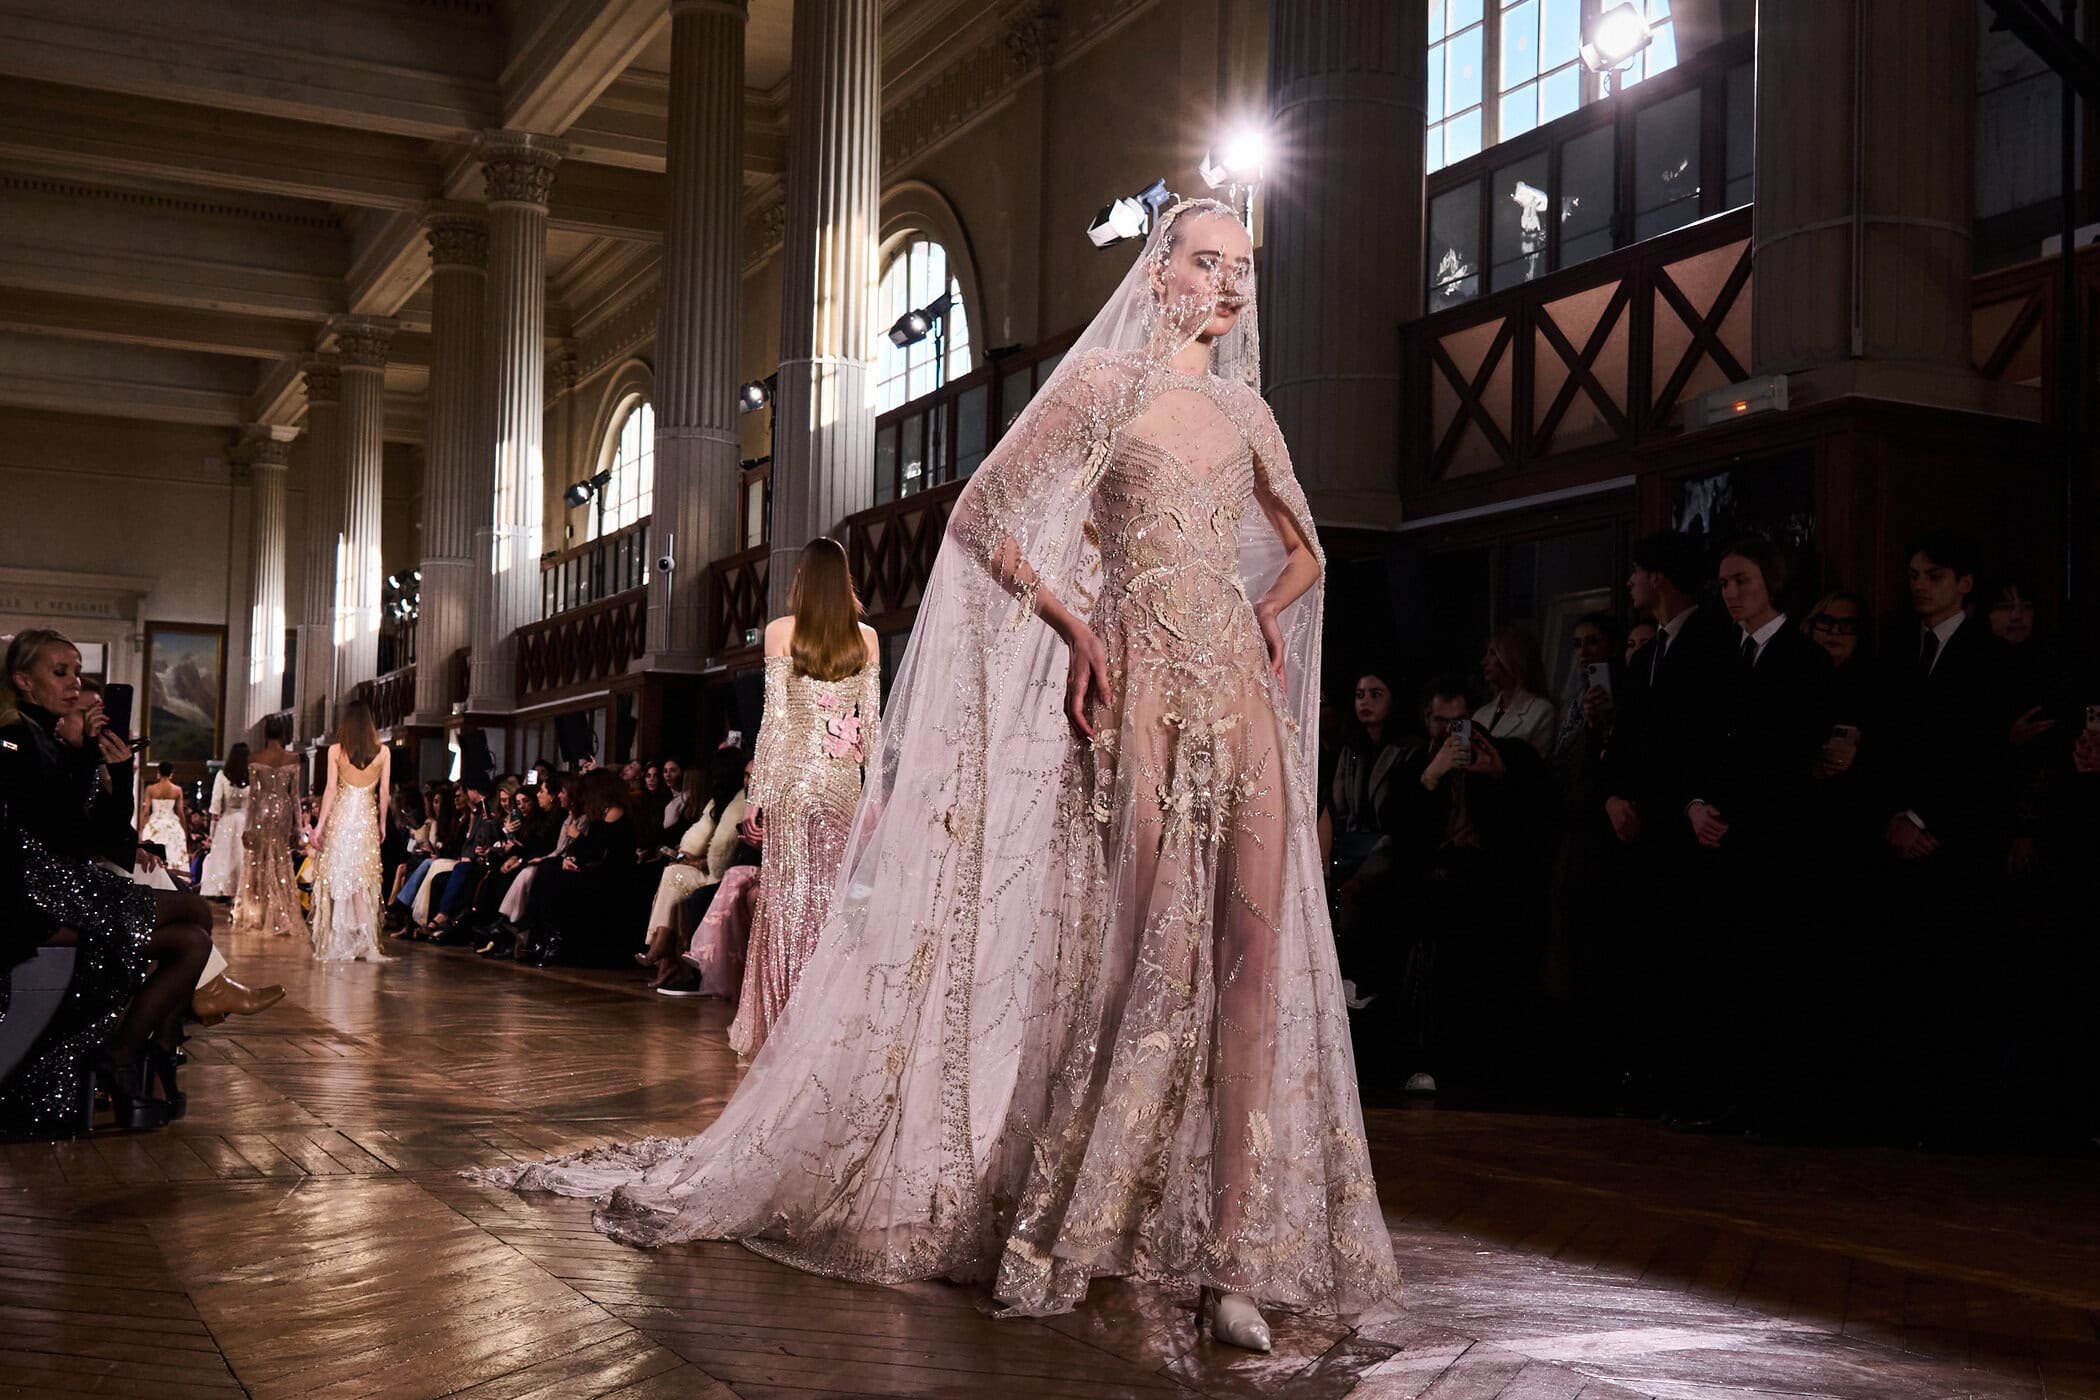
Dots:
(841, 730)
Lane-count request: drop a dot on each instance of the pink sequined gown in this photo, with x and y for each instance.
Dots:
(805, 776)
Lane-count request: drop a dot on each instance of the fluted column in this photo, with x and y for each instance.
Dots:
(519, 169)
(1342, 235)
(698, 326)
(1865, 207)
(267, 451)
(362, 343)
(315, 689)
(824, 465)
(458, 475)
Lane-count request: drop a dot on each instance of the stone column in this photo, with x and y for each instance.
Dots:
(458, 479)
(1342, 242)
(824, 466)
(267, 451)
(519, 169)
(698, 327)
(360, 581)
(1865, 199)
(315, 689)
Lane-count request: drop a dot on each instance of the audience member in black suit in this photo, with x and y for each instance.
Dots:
(1940, 771)
(575, 912)
(1762, 715)
(1638, 773)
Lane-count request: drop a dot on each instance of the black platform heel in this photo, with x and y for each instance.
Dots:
(160, 1074)
(134, 1109)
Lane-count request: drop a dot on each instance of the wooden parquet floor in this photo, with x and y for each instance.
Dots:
(305, 1232)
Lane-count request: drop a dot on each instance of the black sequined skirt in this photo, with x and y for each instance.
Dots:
(113, 917)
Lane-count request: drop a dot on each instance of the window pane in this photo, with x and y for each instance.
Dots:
(1560, 32)
(1433, 153)
(970, 429)
(1662, 54)
(1463, 13)
(1586, 195)
(1520, 43)
(1454, 247)
(1666, 165)
(1658, 9)
(1462, 70)
(913, 459)
(1520, 111)
(1436, 84)
(1519, 214)
(1742, 133)
(1436, 20)
(1560, 93)
(1462, 137)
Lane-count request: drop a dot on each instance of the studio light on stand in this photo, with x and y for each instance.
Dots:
(1235, 167)
(1130, 217)
(1614, 40)
(753, 396)
(930, 319)
(580, 493)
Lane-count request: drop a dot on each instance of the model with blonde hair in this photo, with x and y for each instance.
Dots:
(347, 834)
(823, 697)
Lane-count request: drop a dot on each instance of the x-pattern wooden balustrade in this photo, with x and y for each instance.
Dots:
(584, 645)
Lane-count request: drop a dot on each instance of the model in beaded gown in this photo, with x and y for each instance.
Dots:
(1075, 1011)
(225, 864)
(269, 896)
(346, 891)
(805, 780)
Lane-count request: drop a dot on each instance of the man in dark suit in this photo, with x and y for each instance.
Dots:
(1637, 772)
(1935, 768)
(1760, 716)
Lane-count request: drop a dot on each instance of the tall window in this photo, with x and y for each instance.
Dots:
(915, 275)
(1498, 68)
(630, 455)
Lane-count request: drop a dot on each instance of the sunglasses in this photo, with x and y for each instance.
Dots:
(1836, 626)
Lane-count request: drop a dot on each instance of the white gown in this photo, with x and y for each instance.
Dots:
(225, 865)
(164, 825)
(346, 873)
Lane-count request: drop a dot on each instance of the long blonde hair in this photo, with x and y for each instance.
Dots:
(827, 643)
(22, 653)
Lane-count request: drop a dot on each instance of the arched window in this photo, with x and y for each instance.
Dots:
(917, 273)
(630, 455)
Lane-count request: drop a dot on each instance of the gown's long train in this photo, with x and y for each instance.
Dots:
(1076, 1009)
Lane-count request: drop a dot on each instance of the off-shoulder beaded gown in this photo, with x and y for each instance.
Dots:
(805, 775)
(346, 875)
(269, 897)
(1075, 1011)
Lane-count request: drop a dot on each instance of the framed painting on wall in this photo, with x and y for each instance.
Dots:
(185, 691)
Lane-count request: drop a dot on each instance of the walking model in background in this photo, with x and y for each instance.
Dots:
(346, 836)
(269, 897)
(226, 865)
(166, 823)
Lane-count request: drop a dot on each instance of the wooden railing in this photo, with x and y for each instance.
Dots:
(2014, 321)
(942, 436)
(1605, 353)
(392, 696)
(739, 594)
(583, 646)
(596, 569)
(892, 548)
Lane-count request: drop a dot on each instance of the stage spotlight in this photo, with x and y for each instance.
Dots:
(1238, 161)
(754, 396)
(914, 326)
(393, 580)
(1130, 216)
(581, 492)
(1615, 38)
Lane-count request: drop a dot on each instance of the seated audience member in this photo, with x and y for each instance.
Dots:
(705, 854)
(414, 898)
(571, 917)
(451, 893)
(1759, 721)
(1518, 705)
(538, 828)
(688, 789)
(1363, 774)
(646, 807)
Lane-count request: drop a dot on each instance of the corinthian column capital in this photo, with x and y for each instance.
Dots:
(263, 445)
(519, 167)
(324, 378)
(458, 239)
(362, 341)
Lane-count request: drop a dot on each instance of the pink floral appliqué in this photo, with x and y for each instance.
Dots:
(841, 730)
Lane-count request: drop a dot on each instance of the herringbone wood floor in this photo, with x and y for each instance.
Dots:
(304, 1232)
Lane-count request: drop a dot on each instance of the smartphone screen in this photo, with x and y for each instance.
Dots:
(1462, 735)
(734, 739)
(1598, 673)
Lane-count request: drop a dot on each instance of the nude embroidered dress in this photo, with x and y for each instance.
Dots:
(269, 898)
(805, 775)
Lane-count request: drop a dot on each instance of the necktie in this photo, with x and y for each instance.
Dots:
(1749, 652)
(1655, 661)
(1928, 652)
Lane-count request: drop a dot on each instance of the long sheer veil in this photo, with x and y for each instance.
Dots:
(880, 1128)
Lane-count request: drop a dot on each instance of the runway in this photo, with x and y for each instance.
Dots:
(304, 1232)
